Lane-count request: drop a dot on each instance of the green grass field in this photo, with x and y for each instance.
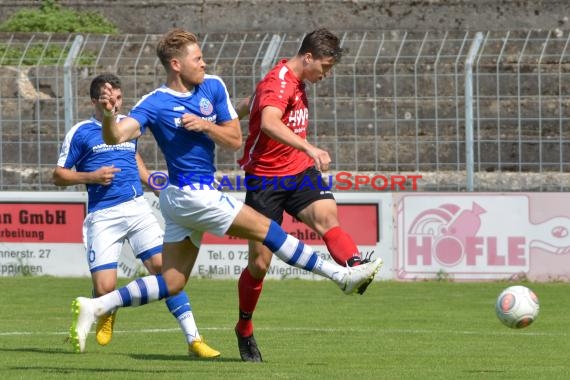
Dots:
(305, 330)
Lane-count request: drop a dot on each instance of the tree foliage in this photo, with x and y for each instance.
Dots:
(50, 17)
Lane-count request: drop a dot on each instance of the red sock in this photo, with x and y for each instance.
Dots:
(249, 290)
(340, 245)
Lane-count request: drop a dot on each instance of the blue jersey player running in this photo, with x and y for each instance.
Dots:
(117, 212)
(188, 116)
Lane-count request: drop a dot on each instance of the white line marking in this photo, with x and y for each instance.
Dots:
(309, 329)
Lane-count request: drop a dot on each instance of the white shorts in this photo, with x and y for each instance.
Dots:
(189, 213)
(105, 232)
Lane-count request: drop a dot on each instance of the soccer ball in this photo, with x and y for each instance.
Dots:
(517, 307)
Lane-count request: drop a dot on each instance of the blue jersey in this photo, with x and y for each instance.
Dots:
(85, 149)
(189, 155)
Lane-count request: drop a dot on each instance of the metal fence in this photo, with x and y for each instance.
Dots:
(396, 103)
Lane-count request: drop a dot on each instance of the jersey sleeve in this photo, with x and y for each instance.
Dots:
(222, 104)
(145, 112)
(274, 93)
(71, 149)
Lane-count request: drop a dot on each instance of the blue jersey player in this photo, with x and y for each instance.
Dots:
(188, 116)
(117, 211)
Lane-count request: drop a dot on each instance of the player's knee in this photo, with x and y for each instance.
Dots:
(154, 269)
(174, 283)
(154, 264)
(175, 288)
(258, 269)
(103, 288)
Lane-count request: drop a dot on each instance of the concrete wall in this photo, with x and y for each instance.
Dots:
(157, 16)
(298, 16)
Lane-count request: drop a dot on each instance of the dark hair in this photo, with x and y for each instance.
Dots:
(172, 45)
(321, 43)
(100, 80)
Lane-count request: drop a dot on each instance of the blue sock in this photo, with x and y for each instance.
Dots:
(143, 290)
(275, 237)
(290, 249)
(178, 304)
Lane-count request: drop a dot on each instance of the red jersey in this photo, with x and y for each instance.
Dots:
(262, 155)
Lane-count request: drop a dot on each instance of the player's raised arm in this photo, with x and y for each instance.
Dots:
(113, 132)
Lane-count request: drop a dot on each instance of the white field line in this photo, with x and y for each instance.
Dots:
(309, 329)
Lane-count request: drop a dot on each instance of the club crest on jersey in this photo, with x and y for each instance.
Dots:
(206, 107)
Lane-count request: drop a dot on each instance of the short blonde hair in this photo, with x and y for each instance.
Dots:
(172, 45)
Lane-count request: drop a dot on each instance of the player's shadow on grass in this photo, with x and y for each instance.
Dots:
(180, 358)
(66, 351)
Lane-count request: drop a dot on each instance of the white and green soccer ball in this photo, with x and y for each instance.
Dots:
(517, 307)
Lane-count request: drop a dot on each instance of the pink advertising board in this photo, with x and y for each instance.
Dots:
(482, 236)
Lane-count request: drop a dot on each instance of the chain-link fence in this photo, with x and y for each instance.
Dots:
(396, 103)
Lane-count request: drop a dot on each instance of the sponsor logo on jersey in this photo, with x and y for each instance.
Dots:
(130, 146)
(206, 107)
(212, 118)
(299, 117)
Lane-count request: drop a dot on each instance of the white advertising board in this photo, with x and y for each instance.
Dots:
(41, 233)
(462, 236)
(367, 217)
(43, 236)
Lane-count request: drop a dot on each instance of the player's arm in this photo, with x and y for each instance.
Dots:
(115, 133)
(243, 107)
(273, 127)
(226, 134)
(67, 177)
(144, 174)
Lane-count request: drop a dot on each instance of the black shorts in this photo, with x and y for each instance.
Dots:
(273, 195)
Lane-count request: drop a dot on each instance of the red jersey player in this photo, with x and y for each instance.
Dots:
(283, 170)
